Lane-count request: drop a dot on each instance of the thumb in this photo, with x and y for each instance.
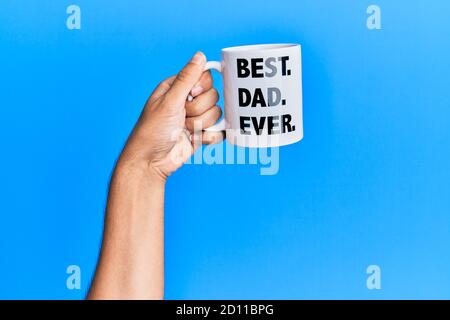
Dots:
(188, 77)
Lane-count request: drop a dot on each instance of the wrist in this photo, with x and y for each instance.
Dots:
(139, 171)
(136, 192)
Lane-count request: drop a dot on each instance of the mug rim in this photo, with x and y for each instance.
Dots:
(265, 47)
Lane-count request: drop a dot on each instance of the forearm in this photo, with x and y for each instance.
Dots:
(131, 264)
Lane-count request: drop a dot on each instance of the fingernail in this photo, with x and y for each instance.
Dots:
(198, 58)
(196, 91)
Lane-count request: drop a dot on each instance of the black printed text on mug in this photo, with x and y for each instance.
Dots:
(271, 97)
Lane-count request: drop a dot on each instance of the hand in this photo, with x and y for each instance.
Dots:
(164, 138)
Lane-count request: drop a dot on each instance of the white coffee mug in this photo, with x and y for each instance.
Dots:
(262, 94)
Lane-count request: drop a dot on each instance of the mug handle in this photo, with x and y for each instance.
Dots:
(221, 125)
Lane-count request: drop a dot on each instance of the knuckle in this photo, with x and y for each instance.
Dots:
(218, 111)
(183, 76)
(167, 81)
(215, 94)
(165, 84)
(208, 79)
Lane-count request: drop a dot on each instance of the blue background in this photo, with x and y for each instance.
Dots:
(368, 184)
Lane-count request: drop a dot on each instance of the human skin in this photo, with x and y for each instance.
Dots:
(131, 262)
